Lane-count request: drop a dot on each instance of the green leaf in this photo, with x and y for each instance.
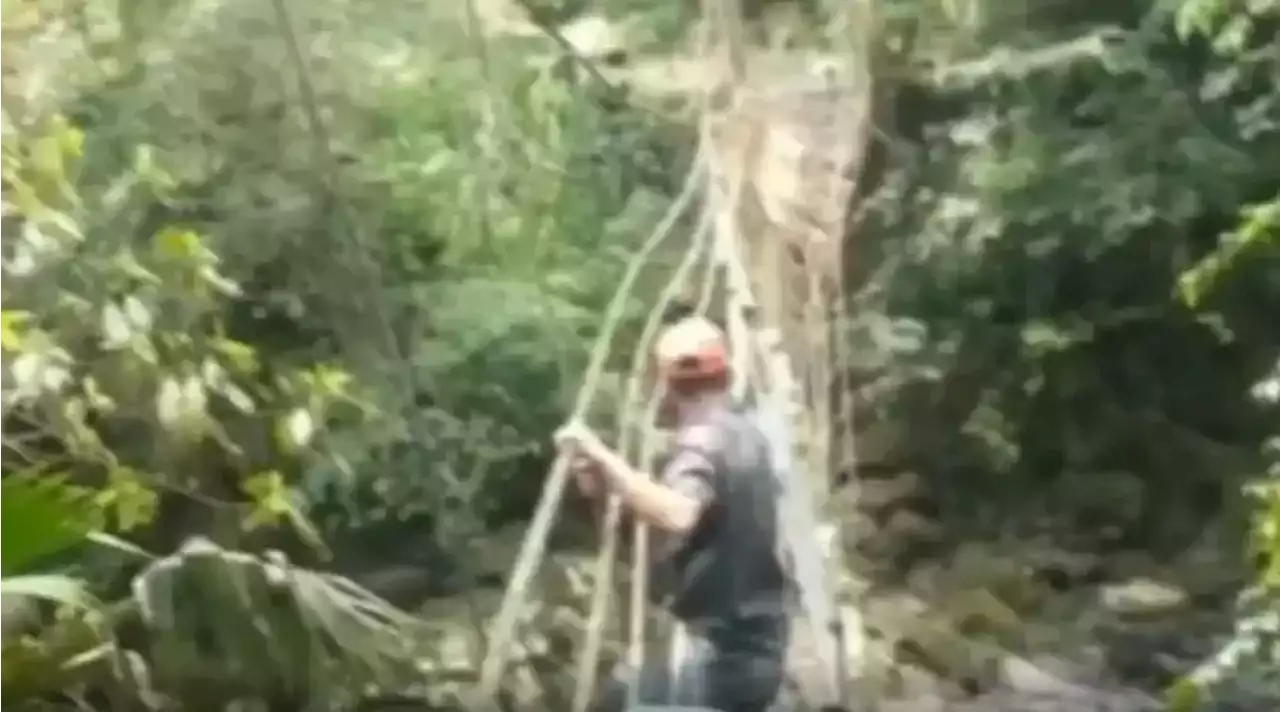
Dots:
(240, 356)
(296, 429)
(110, 541)
(12, 329)
(127, 496)
(181, 405)
(1183, 695)
(180, 245)
(47, 159)
(328, 382)
(41, 515)
(48, 587)
(117, 332)
(1258, 228)
(273, 502)
(270, 498)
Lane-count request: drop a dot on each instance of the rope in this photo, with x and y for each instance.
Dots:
(603, 565)
(678, 641)
(533, 546)
(631, 423)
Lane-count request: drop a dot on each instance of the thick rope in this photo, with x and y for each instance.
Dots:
(639, 581)
(632, 423)
(640, 555)
(639, 587)
(534, 544)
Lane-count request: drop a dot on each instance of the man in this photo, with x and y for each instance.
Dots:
(714, 517)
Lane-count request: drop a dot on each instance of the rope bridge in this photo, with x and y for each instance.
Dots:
(764, 250)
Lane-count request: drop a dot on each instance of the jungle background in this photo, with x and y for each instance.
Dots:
(294, 294)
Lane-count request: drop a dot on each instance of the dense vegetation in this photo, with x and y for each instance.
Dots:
(321, 277)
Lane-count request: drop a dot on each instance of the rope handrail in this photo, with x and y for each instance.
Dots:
(632, 422)
(532, 548)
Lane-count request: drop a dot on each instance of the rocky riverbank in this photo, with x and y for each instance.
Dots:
(1014, 623)
(1033, 612)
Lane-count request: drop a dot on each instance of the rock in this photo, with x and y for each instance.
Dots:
(855, 528)
(905, 523)
(570, 578)
(979, 562)
(927, 638)
(1060, 569)
(595, 38)
(1113, 498)
(1212, 569)
(454, 629)
(1143, 598)
(496, 551)
(1127, 564)
(21, 615)
(894, 549)
(1035, 676)
(401, 585)
(912, 682)
(881, 493)
(1006, 576)
(978, 612)
(522, 689)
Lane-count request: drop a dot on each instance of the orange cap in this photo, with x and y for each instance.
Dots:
(692, 348)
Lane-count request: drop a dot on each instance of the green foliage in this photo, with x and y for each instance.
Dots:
(1257, 231)
(119, 353)
(225, 626)
(1248, 661)
(68, 653)
(220, 626)
(364, 295)
(42, 515)
(523, 183)
(1051, 180)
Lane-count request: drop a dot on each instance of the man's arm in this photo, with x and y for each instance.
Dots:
(593, 489)
(674, 504)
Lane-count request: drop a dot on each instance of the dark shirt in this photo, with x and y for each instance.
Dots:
(726, 570)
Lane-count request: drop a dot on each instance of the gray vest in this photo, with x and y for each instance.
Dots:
(728, 569)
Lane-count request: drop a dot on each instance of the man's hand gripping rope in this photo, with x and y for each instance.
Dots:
(584, 451)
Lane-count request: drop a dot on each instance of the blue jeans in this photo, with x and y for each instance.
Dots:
(734, 668)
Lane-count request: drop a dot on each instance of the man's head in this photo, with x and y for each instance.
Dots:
(692, 357)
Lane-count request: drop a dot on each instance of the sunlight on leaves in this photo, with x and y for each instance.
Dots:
(1183, 695)
(41, 515)
(238, 355)
(270, 496)
(296, 429)
(12, 329)
(180, 246)
(327, 382)
(1259, 228)
(181, 405)
(63, 590)
(128, 497)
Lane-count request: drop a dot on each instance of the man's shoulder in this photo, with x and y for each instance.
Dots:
(719, 433)
(706, 436)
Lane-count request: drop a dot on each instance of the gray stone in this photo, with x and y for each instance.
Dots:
(1143, 597)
